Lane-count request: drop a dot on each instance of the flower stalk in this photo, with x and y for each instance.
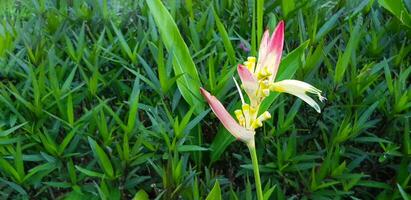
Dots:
(254, 160)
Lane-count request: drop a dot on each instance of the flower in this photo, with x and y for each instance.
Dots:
(258, 80)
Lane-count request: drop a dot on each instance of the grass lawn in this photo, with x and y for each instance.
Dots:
(100, 99)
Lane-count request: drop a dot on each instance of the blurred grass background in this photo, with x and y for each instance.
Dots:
(99, 99)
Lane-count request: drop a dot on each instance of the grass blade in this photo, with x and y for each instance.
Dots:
(189, 83)
(226, 40)
(102, 158)
(11, 130)
(215, 193)
(343, 61)
(398, 9)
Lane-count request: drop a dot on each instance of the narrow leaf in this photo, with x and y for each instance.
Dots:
(189, 83)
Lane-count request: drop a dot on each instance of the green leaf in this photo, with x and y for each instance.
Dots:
(189, 83)
(374, 184)
(398, 9)
(185, 148)
(226, 40)
(259, 14)
(7, 167)
(339, 170)
(328, 26)
(70, 113)
(267, 194)
(66, 141)
(39, 171)
(4, 141)
(71, 171)
(133, 103)
(184, 122)
(123, 43)
(215, 193)
(102, 158)
(404, 195)
(349, 51)
(18, 161)
(326, 184)
(11, 130)
(141, 195)
(287, 6)
(89, 172)
(16, 187)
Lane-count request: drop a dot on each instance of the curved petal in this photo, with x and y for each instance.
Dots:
(262, 51)
(277, 39)
(250, 84)
(299, 89)
(229, 123)
(275, 49)
(270, 52)
(310, 101)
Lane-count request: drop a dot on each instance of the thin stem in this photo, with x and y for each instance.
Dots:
(253, 31)
(253, 153)
(260, 13)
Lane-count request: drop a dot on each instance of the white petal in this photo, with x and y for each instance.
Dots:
(299, 89)
(307, 99)
(263, 49)
(239, 91)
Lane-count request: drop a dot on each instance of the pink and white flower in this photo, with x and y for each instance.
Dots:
(258, 80)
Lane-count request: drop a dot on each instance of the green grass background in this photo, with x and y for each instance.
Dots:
(99, 99)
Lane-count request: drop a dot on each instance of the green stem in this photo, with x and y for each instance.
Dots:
(260, 13)
(253, 31)
(253, 153)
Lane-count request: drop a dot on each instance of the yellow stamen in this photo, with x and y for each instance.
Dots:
(246, 107)
(252, 110)
(238, 113)
(240, 117)
(256, 124)
(266, 71)
(264, 84)
(266, 115)
(251, 59)
(250, 63)
(260, 75)
(265, 92)
(276, 88)
(263, 74)
(246, 111)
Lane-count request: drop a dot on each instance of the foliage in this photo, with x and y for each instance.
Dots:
(93, 104)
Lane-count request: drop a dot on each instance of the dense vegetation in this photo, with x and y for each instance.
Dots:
(100, 99)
